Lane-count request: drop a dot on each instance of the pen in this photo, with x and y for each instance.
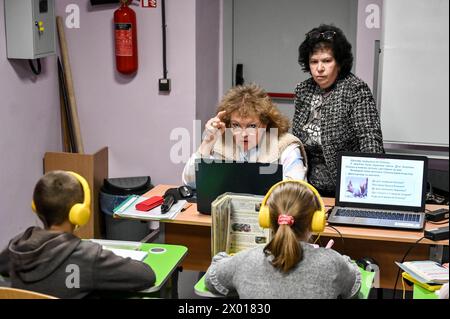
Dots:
(186, 207)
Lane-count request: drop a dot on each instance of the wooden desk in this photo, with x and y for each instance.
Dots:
(193, 230)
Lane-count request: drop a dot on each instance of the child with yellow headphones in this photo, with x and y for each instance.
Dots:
(288, 266)
(56, 262)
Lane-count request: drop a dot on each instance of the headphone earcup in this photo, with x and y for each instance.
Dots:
(318, 221)
(79, 214)
(264, 216)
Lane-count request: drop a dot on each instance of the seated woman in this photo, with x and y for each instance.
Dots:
(249, 128)
(334, 110)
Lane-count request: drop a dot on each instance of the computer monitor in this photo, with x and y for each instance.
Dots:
(214, 178)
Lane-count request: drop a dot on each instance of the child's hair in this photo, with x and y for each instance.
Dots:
(296, 200)
(54, 194)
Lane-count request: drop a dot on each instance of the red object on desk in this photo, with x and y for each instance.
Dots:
(150, 203)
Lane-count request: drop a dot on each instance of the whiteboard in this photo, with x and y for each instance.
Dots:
(414, 72)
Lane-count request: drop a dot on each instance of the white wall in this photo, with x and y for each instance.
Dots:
(369, 30)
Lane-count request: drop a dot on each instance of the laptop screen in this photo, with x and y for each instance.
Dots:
(381, 181)
(214, 178)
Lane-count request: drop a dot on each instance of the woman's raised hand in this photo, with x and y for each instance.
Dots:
(214, 128)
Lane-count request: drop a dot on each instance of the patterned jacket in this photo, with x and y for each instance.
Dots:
(349, 118)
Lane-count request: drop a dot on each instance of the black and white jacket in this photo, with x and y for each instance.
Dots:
(349, 118)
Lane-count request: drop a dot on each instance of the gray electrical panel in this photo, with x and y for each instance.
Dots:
(30, 28)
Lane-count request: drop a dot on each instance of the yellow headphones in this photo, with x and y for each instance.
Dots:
(318, 220)
(79, 213)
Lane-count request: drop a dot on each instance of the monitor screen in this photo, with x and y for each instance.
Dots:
(214, 178)
(382, 180)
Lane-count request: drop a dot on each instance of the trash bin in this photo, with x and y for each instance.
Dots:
(113, 192)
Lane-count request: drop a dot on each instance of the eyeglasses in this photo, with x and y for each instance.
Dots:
(327, 35)
(252, 129)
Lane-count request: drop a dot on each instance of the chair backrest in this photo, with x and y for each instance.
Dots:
(13, 293)
(367, 278)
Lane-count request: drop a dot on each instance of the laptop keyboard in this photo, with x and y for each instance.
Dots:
(397, 216)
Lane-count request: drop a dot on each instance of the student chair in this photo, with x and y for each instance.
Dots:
(13, 293)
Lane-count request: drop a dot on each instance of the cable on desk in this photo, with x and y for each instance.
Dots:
(403, 259)
(337, 231)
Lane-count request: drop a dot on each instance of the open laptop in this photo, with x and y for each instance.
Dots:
(380, 190)
(214, 178)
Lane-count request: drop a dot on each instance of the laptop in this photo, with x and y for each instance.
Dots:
(380, 190)
(214, 178)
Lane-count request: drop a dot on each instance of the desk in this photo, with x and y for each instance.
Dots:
(193, 230)
(422, 293)
(162, 258)
(163, 261)
(366, 285)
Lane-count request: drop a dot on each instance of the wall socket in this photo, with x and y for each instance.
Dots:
(164, 85)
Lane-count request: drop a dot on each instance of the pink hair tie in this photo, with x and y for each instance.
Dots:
(285, 220)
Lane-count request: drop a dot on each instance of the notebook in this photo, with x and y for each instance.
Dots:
(380, 190)
(214, 178)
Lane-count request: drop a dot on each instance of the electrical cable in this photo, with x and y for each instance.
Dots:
(164, 26)
(403, 259)
(39, 69)
(337, 230)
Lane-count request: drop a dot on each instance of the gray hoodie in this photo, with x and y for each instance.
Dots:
(62, 265)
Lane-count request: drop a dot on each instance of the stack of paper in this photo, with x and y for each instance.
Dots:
(235, 224)
(128, 210)
(425, 271)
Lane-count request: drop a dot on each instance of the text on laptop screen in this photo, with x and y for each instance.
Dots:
(384, 181)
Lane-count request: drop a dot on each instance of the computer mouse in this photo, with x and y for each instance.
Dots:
(186, 191)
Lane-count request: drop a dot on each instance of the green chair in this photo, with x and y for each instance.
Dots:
(367, 278)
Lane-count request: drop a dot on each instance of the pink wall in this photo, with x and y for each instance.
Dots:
(127, 114)
(29, 126)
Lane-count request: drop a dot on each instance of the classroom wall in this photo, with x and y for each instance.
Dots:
(369, 30)
(29, 126)
(207, 58)
(127, 114)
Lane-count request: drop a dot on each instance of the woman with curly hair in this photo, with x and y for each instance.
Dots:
(334, 110)
(248, 127)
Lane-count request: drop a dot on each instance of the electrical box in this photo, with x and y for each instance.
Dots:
(30, 28)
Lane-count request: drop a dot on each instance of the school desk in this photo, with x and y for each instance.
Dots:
(162, 258)
(366, 285)
(193, 230)
(422, 293)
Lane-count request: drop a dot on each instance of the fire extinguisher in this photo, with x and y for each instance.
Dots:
(125, 38)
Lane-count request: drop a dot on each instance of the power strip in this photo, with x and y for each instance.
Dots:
(436, 233)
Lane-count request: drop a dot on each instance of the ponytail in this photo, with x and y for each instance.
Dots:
(285, 249)
(291, 207)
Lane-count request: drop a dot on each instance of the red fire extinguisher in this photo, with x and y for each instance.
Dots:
(126, 38)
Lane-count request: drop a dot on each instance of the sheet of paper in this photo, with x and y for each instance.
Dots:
(133, 254)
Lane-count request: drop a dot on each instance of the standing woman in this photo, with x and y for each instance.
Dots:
(334, 110)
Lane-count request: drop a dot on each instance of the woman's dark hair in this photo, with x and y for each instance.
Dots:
(338, 43)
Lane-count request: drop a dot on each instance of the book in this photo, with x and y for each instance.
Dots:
(235, 223)
(425, 271)
(127, 209)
